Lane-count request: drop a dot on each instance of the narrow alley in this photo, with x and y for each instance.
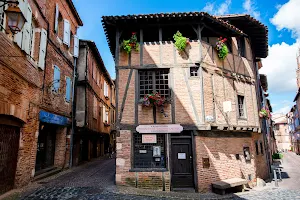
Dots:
(95, 180)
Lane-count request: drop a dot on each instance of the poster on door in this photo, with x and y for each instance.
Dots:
(149, 139)
(181, 156)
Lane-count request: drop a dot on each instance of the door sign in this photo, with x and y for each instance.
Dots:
(181, 156)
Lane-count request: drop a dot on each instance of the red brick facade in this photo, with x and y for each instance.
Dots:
(25, 84)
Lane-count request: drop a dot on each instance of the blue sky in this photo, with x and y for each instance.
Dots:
(272, 13)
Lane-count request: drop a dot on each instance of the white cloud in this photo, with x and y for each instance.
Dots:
(250, 8)
(286, 106)
(224, 8)
(217, 10)
(209, 7)
(288, 17)
(280, 68)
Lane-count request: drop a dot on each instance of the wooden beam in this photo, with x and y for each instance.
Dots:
(141, 47)
(125, 94)
(136, 106)
(190, 95)
(160, 45)
(201, 75)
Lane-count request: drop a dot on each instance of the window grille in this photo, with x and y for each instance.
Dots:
(154, 81)
(241, 104)
(194, 71)
(146, 160)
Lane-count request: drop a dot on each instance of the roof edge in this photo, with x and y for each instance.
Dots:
(70, 2)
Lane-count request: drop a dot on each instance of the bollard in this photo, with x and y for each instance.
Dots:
(279, 171)
(275, 178)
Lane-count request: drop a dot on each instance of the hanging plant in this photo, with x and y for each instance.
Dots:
(264, 113)
(154, 99)
(132, 43)
(180, 41)
(222, 48)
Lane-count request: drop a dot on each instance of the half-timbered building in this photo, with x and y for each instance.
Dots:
(207, 127)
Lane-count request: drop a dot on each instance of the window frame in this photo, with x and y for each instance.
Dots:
(261, 147)
(151, 164)
(197, 71)
(153, 86)
(241, 46)
(244, 116)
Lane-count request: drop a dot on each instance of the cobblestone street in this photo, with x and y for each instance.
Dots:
(95, 180)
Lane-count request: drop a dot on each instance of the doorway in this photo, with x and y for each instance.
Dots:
(182, 162)
(9, 147)
(45, 147)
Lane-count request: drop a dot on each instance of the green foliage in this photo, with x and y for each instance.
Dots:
(277, 156)
(223, 52)
(132, 43)
(180, 41)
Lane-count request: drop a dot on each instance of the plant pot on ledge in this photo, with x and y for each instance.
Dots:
(106, 123)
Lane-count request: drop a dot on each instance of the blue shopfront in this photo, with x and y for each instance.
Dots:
(52, 135)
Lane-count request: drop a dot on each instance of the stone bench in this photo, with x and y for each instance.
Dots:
(219, 187)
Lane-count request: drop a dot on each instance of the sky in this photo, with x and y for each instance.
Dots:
(280, 16)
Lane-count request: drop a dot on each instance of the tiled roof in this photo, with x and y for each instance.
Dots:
(111, 21)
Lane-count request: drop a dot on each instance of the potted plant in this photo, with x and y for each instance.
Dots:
(264, 113)
(180, 41)
(132, 43)
(156, 100)
(222, 48)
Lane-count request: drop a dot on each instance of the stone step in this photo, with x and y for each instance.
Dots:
(51, 172)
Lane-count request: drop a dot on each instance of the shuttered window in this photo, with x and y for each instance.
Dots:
(95, 108)
(105, 89)
(67, 32)
(56, 79)
(26, 39)
(241, 106)
(68, 89)
(43, 46)
(56, 18)
(76, 46)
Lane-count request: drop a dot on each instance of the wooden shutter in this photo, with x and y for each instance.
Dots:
(68, 89)
(76, 46)
(43, 47)
(26, 39)
(23, 7)
(56, 79)
(67, 32)
(105, 89)
(56, 18)
(104, 117)
(95, 107)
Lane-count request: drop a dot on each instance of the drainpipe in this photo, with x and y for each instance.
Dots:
(73, 114)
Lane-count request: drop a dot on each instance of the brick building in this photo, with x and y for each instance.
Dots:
(282, 134)
(214, 101)
(36, 76)
(95, 105)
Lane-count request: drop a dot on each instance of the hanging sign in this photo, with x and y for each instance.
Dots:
(161, 128)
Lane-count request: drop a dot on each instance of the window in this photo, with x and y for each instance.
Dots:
(94, 70)
(241, 106)
(261, 148)
(154, 81)
(68, 89)
(98, 78)
(105, 114)
(143, 153)
(241, 46)
(256, 148)
(277, 126)
(229, 45)
(194, 71)
(95, 108)
(56, 79)
(32, 40)
(105, 89)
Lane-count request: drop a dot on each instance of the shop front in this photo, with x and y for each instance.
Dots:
(52, 139)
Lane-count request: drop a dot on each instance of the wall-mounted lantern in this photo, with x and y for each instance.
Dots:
(15, 17)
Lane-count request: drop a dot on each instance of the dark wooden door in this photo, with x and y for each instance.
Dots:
(9, 146)
(182, 163)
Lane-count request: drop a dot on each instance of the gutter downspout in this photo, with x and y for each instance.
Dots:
(73, 114)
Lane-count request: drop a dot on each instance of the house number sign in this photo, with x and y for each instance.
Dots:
(161, 128)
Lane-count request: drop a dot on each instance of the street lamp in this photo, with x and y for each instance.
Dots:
(15, 17)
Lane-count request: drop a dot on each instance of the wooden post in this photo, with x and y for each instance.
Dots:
(117, 77)
(201, 75)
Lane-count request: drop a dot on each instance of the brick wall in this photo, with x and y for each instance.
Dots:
(221, 152)
(217, 88)
(145, 180)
